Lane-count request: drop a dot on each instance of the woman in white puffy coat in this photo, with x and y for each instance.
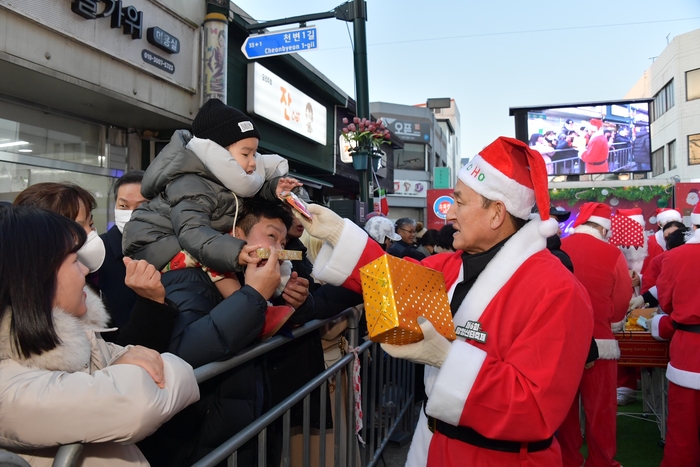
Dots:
(60, 383)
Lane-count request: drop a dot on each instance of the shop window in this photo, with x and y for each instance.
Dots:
(692, 84)
(671, 152)
(657, 160)
(24, 130)
(694, 149)
(663, 101)
(16, 177)
(411, 157)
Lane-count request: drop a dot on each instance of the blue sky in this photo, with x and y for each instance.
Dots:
(493, 55)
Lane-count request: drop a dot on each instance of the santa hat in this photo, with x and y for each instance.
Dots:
(598, 213)
(695, 215)
(628, 228)
(635, 214)
(666, 215)
(597, 123)
(508, 171)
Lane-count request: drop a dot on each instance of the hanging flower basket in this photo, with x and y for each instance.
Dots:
(361, 159)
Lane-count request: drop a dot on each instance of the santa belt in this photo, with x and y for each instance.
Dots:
(470, 436)
(597, 163)
(695, 328)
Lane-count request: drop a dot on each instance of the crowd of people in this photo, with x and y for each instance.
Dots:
(99, 333)
(592, 140)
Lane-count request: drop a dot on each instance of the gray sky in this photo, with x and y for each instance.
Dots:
(492, 55)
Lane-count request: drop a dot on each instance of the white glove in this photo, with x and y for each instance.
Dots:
(432, 350)
(324, 225)
(636, 302)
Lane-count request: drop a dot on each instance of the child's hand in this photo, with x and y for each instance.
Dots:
(248, 255)
(287, 184)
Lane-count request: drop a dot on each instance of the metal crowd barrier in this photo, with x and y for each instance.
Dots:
(387, 397)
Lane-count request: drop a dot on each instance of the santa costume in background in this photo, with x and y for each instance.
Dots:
(679, 296)
(515, 388)
(629, 236)
(602, 270)
(596, 154)
(657, 244)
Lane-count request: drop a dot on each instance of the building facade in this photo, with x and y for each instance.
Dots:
(89, 87)
(424, 149)
(673, 81)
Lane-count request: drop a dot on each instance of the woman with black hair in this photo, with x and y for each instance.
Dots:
(60, 383)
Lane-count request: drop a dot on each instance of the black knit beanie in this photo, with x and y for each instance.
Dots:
(222, 124)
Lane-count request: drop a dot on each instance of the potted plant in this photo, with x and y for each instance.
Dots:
(365, 137)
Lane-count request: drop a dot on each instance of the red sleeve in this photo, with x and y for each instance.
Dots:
(665, 286)
(622, 291)
(652, 274)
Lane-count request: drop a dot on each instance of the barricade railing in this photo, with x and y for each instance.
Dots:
(386, 402)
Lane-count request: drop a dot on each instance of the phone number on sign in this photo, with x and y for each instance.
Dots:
(157, 61)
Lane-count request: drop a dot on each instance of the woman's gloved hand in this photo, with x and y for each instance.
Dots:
(432, 350)
(324, 224)
(636, 302)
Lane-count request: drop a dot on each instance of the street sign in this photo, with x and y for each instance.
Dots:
(442, 205)
(280, 43)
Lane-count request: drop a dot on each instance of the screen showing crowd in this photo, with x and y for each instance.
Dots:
(595, 138)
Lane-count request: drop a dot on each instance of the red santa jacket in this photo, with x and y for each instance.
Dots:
(655, 249)
(520, 383)
(652, 274)
(602, 270)
(596, 155)
(677, 287)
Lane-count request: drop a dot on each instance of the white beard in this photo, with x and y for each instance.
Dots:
(635, 256)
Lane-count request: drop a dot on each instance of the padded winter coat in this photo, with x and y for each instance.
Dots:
(73, 394)
(193, 209)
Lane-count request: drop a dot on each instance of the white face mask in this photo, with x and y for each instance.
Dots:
(92, 254)
(121, 217)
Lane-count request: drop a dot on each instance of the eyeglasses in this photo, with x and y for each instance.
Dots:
(410, 232)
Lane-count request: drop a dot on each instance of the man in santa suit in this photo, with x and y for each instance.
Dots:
(602, 270)
(498, 400)
(596, 154)
(679, 296)
(657, 244)
(629, 236)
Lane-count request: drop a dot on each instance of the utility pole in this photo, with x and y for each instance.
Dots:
(361, 82)
(355, 11)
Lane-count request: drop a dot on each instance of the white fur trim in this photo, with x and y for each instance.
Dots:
(654, 292)
(226, 169)
(454, 382)
(418, 452)
(525, 243)
(588, 230)
(687, 379)
(639, 219)
(659, 236)
(655, 320)
(694, 239)
(695, 218)
(494, 185)
(665, 217)
(74, 352)
(608, 349)
(549, 227)
(601, 221)
(335, 265)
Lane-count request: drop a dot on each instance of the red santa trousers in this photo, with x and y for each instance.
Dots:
(599, 397)
(683, 427)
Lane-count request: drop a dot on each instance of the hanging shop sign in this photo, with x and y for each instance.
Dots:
(270, 97)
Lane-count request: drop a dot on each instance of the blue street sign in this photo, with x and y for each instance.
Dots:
(280, 43)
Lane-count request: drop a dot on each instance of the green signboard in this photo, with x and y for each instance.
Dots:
(441, 178)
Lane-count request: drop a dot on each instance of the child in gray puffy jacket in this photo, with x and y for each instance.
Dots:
(194, 185)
